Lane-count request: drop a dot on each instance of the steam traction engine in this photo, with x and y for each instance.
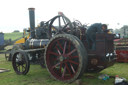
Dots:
(61, 46)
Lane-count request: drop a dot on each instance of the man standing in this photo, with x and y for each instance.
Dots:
(91, 34)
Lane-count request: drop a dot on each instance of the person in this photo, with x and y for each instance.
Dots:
(91, 34)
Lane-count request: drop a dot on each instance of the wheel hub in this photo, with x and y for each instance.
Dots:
(20, 62)
(61, 58)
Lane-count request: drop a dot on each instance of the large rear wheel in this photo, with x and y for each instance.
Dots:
(65, 58)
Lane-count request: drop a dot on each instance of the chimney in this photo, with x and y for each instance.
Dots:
(32, 22)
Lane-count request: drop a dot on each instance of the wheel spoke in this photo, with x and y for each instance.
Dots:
(73, 62)
(60, 45)
(54, 59)
(55, 65)
(60, 67)
(24, 62)
(64, 72)
(23, 66)
(64, 21)
(68, 69)
(59, 23)
(58, 50)
(72, 68)
(65, 26)
(64, 48)
(53, 53)
(71, 52)
(72, 57)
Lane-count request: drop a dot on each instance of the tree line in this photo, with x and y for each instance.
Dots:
(123, 31)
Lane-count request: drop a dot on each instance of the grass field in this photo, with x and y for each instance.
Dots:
(13, 36)
(39, 76)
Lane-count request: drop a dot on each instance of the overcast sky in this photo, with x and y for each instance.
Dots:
(14, 13)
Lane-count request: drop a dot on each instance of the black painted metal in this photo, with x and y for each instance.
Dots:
(36, 43)
(32, 22)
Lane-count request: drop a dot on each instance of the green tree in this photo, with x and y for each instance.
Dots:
(124, 31)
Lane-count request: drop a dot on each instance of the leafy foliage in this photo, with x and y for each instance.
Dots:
(123, 31)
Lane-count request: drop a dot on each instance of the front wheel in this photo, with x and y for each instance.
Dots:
(65, 58)
(20, 63)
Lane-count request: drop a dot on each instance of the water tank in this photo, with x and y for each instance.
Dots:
(1, 39)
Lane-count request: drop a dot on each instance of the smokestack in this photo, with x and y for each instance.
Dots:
(32, 21)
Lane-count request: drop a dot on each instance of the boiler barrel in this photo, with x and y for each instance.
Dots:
(37, 43)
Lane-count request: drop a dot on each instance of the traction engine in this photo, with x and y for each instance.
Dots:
(61, 46)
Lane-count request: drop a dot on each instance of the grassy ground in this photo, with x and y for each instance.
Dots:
(39, 76)
(13, 36)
